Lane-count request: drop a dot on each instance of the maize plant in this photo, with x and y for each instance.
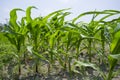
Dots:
(16, 35)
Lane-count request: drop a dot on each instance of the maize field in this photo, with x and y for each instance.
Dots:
(53, 48)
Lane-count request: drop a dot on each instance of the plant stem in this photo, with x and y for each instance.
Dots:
(110, 74)
(19, 69)
(89, 50)
(77, 55)
(69, 64)
(36, 68)
(19, 63)
(103, 42)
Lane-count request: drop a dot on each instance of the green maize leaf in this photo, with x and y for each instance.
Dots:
(23, 21)
(61, 19)
(49, 27)
(15, 55)
(13, 19)
(117, 28)
(117, 73)
(58, 56)
(115, 45)
(115, 51)
(2, 37)
(20, 41)
(53, 38)
(29, 27)
(11, 38)
(112, 11)
(36, 35)
(97, 13)
(28, 13)
(72, 25)
(29, 48)
(87, 13)
(23, 30)
(97, 29)
(9, 29)
(39, 55)
(112, 62)
(69, 39)
(87, 64)
(54, 19)
(115, 56)
(49, 15)
(107, 16)
(36, 22)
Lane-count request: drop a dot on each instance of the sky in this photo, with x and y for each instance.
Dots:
(47, 6)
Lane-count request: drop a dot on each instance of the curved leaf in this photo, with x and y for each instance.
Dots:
(55, 12)
(109, 12)
(28, 13)
(13, 19)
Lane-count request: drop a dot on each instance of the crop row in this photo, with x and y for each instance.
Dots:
(73, 45)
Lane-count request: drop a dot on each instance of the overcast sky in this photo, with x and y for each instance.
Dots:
(47, 6)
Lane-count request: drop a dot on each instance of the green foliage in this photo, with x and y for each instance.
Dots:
(72, 44)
